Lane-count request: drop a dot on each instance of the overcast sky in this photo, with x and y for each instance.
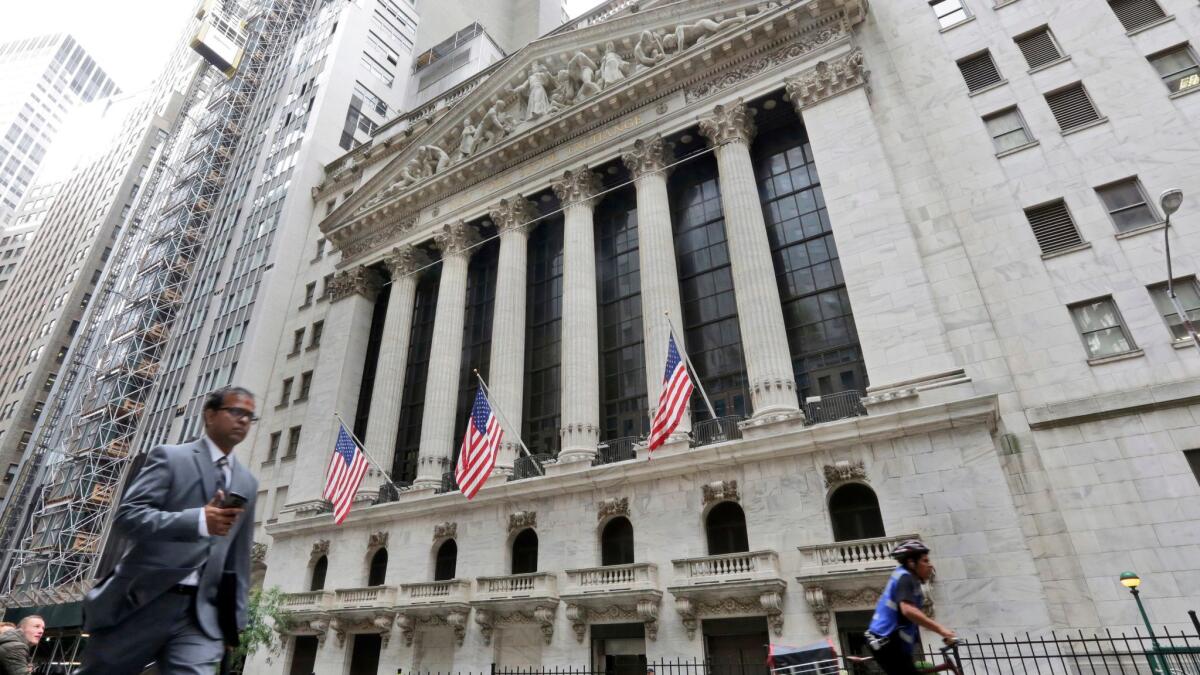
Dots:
(128, 38)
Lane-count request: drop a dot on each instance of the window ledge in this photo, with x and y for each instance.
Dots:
(280, 406)
(292, 355)
(312, 347)
(1133, 354)
(1182, 343)
(1142, 29)
(1083, 127)
(1152, 227)
(952, 26)
(306, 305)
(315, 260)
(300, 400)
(268, 462)
(1046, 66)
(1012, 151)
(287, 458)
(1003, 3)
(1077, 247)
(1185, 92)
(994, 85)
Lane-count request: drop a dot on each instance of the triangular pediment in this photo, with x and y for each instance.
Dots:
(557, 85)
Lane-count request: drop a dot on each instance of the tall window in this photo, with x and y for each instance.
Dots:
(525, 552)
(710, 324)
(616, 542)
(854, 513)
(1193, 458)
(370, 361)
(826, 356)
(412, 406)
(726, 529)
(1101, 328)
(1188, 294)
(446, 563)
(543, 336)
(318, 574)
(622, 357)
(377, 573)
(477, 332)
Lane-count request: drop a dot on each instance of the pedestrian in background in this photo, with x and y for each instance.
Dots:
(17, 644)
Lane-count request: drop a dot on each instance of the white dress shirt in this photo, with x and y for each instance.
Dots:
(215, 455)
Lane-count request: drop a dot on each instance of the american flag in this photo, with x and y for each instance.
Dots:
(346, 470)
(478, 454)
(673, 399)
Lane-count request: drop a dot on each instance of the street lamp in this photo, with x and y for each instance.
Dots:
(1171, 200)
(1131, 581)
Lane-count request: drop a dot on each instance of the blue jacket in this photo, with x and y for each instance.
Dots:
(888, 619)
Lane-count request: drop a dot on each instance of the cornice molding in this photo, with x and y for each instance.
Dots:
(827, 79)
(354, 281)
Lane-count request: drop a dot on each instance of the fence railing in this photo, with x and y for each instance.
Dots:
(449, 484)
(516, 585)
(727, 567)
(616, 450)
(530, 466)
(851, 556)
(612, 578)
(716, 430)
(833, 407)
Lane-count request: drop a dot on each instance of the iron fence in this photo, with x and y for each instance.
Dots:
(617, 450)
(716, 430)
(530, 466)
(833, 407)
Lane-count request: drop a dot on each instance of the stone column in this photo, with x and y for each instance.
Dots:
(507, 370)
(580, 371)
(441, 389)
(336, 382)
(760, 315)
(903, 336)
(659, 275)
(383, 424)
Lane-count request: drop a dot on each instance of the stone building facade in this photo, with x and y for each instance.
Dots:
(914, 255)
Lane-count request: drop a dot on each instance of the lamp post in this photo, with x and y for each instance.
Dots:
(1131, 581)
(1171, 200)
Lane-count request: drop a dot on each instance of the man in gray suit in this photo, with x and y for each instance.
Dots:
(189, 558)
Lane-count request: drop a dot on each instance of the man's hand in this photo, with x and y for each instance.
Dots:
(219, 520)
(949, 636)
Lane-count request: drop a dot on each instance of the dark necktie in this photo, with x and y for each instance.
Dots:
(221, 464)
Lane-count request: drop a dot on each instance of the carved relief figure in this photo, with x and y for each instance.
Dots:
(613, 68)
(564, 91)
(434, 159)
(493, 127)
(583, 73)
(466, 140)
(687, 35)
(648, 52)
(536, 91)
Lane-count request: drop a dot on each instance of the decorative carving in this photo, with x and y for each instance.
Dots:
(377, 238)
(862, 597)
(728, 124)
(544, 616)
(824, 602)
(578, 187)
(458, 621)
(789, 52)
(467, 136)
(484, 619)
(379, 622)
(646, 156)
(516, 214)
(648, 52)
(446, 530)
(687, 615)
(354, 281)
(647, 611)
(319, 627)
(582, 71)
(456, 239)
(844, 471)
(577, 615)
(536, 91)
(720, 491)
(405, 260)
(615, 506)
(339, 628)
(689, 35)
(319, 548)
(258, 553)
(377, 540)
(827, 79)
(407, 626)
(520, 520)
(772, 603)
(383, 623)
(493, 126)
(613, 68)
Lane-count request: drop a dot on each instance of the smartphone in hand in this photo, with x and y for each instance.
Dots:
(233, 500)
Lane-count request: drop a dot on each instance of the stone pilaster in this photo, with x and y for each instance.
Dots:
(760, 315)
(513, 218)
(580, 372)
(441, 389)
(659, 275)
(828, 79)
(336, 382)
(388, 390)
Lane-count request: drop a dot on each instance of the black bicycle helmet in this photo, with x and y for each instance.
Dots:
(909, 549)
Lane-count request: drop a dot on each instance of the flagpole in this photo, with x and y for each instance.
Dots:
(692, 372)
(363, 447)
(487, 393)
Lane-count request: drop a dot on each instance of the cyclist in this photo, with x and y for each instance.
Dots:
(892, 634)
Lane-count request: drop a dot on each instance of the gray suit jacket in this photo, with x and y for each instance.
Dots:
(160, 515)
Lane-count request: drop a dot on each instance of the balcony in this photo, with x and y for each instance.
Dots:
(516, 587)
(853, 557)
(435, 593)
(729, 568)
(632, 589)
(370, 597)
(530, 466)
(528, 598)
(310, 601)
(449, 484)
(617, 450)
(716, 430)
(833, 407)
(434, 603)
(747, 584)
(612, 579)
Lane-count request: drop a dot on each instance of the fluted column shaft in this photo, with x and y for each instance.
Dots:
(507, 369)
(388, 390)
(441, 388)
(580, 371)
(658, 272)
(337, 380)
(760, 315)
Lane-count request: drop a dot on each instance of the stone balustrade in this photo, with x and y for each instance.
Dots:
(611, 579)
(847, 557)
(516, 586)
(727, 568)
(372, 597)
(432, 593)
(307, 601)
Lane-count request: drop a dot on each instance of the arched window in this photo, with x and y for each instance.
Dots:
(446, 564)
(726, 529)
(616, 542)
(854, 512)
(318, 574)
(524, 552)
(378, 571)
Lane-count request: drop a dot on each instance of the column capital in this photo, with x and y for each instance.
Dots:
(405, 260)
(514, 215)
(578, 187)
(728, 123)
(827, 79)
(355, 281)
(646, 156)
(454, 239)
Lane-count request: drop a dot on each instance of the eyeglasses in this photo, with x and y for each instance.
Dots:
(240, 414)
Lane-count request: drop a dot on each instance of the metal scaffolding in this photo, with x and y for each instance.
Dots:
(82, 452)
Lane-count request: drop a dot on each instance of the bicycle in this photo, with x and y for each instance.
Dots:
(950, 660)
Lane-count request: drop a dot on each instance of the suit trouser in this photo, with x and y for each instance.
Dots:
(165, 630)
